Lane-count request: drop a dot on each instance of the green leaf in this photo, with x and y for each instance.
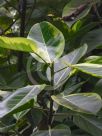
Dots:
(72, 7)
(14, 82)
(4, 128)
(2, 81)
(20, 100)
(90, 124)
(18, 80)
(93, 39)
(37, 115)
(94, 59)
(72, 87)
(3, 53)
(89, 103)
(6, 19)
(80, 132)
(98, 87)
(53, 132)
(91, 69)
(20, 115)
(79, 31)
(62, 126)
(49, 40)
(7, 124)
(2, 2)
(18, 44)
(63, 27)
(62, 72)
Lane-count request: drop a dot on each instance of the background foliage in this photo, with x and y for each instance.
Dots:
(50, 68)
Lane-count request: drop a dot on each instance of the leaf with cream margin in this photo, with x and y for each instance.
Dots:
(89, 103)
(49, 40)
(61, 69)
(20, 100)
(91, 69)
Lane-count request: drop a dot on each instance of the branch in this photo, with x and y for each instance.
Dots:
(22, 11)
(51, 101)
(11, 5)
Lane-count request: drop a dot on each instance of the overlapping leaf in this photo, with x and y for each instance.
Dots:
(89, 103)
(94, 59)
(20, 100)
(75, 10)
(49, 40)
(56, 132)
(98, 87)
(90, 124)
(19, 44)
(4, 128)
(91, 69)
(93, 39)
(62, 71)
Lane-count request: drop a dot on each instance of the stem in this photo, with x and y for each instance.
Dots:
(22, 30)
(9, 27)
(52, 92)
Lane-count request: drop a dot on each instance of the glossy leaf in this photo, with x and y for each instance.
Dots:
(93, 39)
(62, 72)
(89, 103)
(94, 59)
(49, 40)
(20, 100)
(18, 44)
(91, 69)
(90, 124)
(20, 115)
(75, 10)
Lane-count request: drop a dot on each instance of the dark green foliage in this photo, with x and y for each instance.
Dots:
(50, 68)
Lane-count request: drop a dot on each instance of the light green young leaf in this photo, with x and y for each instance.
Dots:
(18, 44)
(89, 103)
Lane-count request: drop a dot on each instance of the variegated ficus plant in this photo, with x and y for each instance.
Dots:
(63, 103)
